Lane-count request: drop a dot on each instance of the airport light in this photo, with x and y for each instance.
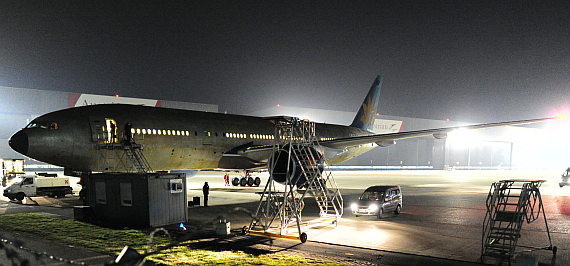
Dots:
(463, 137)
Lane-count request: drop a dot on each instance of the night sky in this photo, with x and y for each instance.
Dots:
(477, 61)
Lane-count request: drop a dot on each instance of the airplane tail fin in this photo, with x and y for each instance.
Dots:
(365, 117)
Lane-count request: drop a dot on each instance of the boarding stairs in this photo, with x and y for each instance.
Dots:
(134, 154)
(298, 138)
(509, 204)
(122, 156)
(321, 184)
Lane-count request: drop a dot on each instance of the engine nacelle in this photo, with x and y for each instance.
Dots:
(309, 159)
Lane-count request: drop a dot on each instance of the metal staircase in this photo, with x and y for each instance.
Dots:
(121, 156)
(135, 155)
(509, 203)
(306, 174)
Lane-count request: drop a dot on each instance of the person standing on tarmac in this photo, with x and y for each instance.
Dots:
(226, 179)
(206, 190)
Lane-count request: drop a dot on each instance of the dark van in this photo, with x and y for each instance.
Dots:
(377, 200)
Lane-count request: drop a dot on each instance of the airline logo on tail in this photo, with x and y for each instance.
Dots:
(365, 117)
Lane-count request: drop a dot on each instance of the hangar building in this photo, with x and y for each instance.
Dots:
(541, 146)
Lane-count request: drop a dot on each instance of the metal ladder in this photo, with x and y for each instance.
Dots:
(298, 138)
(135, 155)
(121, 156)
(321, 184)
(509, 203)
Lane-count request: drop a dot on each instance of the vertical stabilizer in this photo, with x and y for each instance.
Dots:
(365, 117)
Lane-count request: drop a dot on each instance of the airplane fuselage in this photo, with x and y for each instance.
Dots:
(89, 138)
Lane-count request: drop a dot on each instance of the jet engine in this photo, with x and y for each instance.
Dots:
(307, 158)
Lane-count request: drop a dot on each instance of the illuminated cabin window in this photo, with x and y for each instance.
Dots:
(154, 131)
(144, 131)
(138, 131)
(168, 132)
(159, 132)
(187, 133)
(133, 131)
(149, 131)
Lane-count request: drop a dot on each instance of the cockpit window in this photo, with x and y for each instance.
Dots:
(43, 124)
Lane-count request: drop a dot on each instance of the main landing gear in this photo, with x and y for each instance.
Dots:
(246, 181)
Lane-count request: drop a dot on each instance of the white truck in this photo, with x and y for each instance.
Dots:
(38, 185)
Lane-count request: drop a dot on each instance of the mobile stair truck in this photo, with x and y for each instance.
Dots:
(38, 185)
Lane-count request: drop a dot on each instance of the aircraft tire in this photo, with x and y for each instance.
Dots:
(257, 181)
(11, 198)
(250, 181)
(243, 182)
(20, 196)
(235, 181)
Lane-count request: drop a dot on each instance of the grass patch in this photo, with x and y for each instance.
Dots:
(111, 241)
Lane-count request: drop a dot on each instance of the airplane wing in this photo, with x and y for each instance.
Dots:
(439, 133)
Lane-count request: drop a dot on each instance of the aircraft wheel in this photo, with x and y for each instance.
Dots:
(243, 182)
(235, 181)
(250, 181)
(244, 230)
(380, 211)
(51, 195)
(398, 209)
(11, 198)
(257, 181)
(20, 196)
(303, 237)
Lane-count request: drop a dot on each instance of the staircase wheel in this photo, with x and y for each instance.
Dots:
(303, 237)
(250, 181)
(257, 181)
(243, 182)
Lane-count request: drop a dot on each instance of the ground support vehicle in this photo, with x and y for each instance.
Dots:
(377, 200)
(38, 185)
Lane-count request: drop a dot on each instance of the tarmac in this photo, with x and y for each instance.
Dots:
(417, 232)
(24, 249)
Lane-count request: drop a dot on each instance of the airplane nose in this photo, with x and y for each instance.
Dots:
(19, 142)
